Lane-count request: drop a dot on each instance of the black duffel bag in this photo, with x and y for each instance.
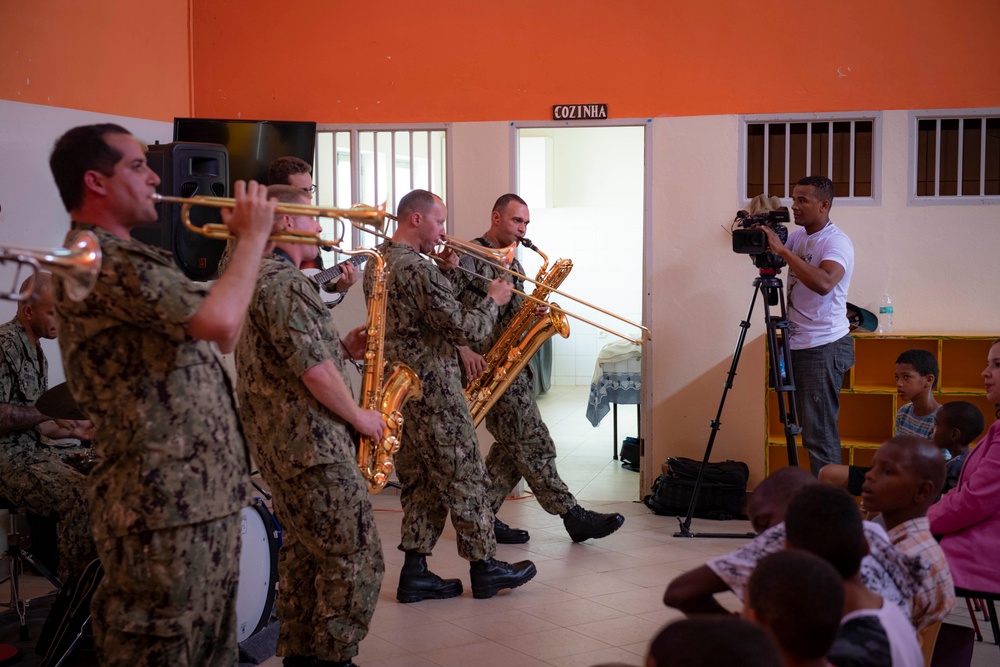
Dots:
(721, 496)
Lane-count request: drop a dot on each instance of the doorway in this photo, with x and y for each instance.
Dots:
(586, 190)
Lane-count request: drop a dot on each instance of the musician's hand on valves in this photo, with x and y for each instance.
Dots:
(355, 342)
(369, 423)
(499, 291)
(348, 277)
(252, 216)
(475, 364)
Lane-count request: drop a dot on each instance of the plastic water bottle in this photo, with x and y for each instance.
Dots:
(781, 369)
(885, 314)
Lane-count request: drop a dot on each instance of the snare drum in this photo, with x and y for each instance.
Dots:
(261, 537)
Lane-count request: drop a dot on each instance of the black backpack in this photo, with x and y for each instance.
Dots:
(723, 489)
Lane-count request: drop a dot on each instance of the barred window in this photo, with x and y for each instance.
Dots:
(779, 152)
(377, 165)
(956, 155)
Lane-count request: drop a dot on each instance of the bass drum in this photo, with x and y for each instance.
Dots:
(261, 536)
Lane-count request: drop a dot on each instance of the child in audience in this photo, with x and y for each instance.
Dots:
(892, 574)
(711, 641)
(798, 598)
(873, 633)
(906, 477)
(956, 425)
(916, 379)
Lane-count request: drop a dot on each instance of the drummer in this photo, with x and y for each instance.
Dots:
(33, 476)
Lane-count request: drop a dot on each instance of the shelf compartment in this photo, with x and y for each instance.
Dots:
(875, 359)
(962, 363)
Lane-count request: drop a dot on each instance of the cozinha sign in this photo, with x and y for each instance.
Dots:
(579, 111)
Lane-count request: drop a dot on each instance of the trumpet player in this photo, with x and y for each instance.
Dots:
(165, 498)
(523, 446)
(297, 409)
(439, 465)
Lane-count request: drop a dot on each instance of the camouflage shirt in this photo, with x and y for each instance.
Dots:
(24, 377)
(167, 432)
(470, 289)
(424, 323)
(289, 330)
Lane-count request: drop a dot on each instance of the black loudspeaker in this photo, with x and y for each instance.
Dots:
(187, 169)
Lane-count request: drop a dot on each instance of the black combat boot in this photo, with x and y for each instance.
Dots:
(417, 583)
(507, 535)
(491, 576)
(583, 524)
(334, 663)
(298, 661)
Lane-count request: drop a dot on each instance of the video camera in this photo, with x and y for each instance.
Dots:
(751, 239)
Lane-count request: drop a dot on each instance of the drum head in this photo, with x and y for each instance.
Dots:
(258, 570)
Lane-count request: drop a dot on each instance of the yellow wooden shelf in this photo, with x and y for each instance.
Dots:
(868, 399)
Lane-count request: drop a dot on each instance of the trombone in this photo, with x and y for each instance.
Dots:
(78, 266)
(501, 259)
(370, 215)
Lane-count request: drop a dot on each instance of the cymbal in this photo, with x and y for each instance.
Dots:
(58, 403)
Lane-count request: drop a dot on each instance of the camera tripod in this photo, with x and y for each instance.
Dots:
(780, 360)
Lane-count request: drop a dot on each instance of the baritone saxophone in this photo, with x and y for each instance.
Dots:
(521, 338)
(387, 395)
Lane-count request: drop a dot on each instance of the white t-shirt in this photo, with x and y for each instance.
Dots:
(816, 320)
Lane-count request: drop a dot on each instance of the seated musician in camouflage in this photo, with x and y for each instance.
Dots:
(439, 465)
(523, 446)
(31, 475)
(165, 498)
(297, 409)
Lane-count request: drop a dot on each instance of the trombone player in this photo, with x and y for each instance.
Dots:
(439, 465)
(523, 446)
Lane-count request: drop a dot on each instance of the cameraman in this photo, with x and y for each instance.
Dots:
(820, 260)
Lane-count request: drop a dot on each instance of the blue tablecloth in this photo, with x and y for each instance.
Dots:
(612, 386)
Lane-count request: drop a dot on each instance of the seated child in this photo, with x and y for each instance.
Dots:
(892, 574)
(956, 425)
(798, 598)
(906, 477)
(916, 379)
(710, 641)
(874, 633)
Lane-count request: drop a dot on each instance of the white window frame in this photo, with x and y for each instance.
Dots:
(874, 116)
(354, 132)
(914, 135)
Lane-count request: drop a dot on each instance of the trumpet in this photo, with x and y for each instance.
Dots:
(369, 215)
(78, 266)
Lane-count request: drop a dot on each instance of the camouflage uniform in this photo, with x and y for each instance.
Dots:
(523, 446)
(330, 565)
(173, 472)
(439, 464)
(34, 476)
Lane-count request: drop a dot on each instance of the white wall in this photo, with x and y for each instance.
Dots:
(32, 214)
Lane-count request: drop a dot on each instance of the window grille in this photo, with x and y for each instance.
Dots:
(956, 157)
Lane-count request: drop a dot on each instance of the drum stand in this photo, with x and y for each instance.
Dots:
(17, 557)
(780, 360)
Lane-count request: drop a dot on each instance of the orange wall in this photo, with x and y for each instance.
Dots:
(123, 57)
(343, 61)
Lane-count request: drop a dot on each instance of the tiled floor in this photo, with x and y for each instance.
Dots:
(591, 603)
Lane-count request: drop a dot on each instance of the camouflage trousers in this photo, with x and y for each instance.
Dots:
(441, 470)
(524, 448)
(168, 597)
(47, 486)
(330, 565)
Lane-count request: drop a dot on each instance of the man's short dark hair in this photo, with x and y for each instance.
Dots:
(781, 486)
(799, 598)
(823, 185)
(920, 455)
(964, 416)
(825, 520)
(923, 361)
(79, 151)
(284, 167)
(709, 641)
(286, 194)
(501, 205)
(416, 201)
